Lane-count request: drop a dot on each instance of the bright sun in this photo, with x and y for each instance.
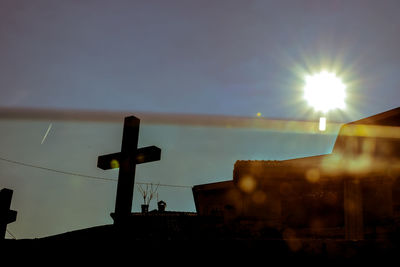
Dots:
(325, 91)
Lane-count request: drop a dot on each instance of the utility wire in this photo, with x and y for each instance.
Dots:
(58, 171)
(80, 175)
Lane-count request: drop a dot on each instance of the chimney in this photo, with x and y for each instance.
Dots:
(161, 206)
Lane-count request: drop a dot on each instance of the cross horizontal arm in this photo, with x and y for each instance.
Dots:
(143, 155)
(109, 161)
(148, 154)
(11, 216)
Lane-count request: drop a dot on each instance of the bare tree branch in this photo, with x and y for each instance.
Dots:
(148, 193)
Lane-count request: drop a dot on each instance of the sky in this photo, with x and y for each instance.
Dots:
(199, 58)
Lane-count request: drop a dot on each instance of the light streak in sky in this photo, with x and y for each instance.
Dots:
(47, 132)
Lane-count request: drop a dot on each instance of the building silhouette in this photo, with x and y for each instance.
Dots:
(351, 194)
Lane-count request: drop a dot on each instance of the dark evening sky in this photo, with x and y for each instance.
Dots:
(231, 58)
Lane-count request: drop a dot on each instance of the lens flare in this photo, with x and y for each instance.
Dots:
(322, 124)
(324, 91)
(247, 184)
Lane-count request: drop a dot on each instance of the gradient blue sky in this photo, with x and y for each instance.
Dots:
(232, 58)
(202, 57)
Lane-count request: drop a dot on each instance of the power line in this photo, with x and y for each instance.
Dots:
(54, 170)
(81, 175)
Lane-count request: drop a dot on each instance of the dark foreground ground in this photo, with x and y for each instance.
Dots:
(85, 246)
(184, 238)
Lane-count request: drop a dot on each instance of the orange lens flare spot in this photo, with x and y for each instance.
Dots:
(247, 184)
(312, 175)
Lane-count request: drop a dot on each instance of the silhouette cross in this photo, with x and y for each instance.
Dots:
(126, 161)
(6, 215)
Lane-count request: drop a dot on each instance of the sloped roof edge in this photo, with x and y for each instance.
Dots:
(378, 117)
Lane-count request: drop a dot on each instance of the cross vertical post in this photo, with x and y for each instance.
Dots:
(6, 215)
(127, 167)
(126, 161)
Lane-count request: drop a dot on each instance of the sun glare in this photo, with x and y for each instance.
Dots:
(324, 91)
